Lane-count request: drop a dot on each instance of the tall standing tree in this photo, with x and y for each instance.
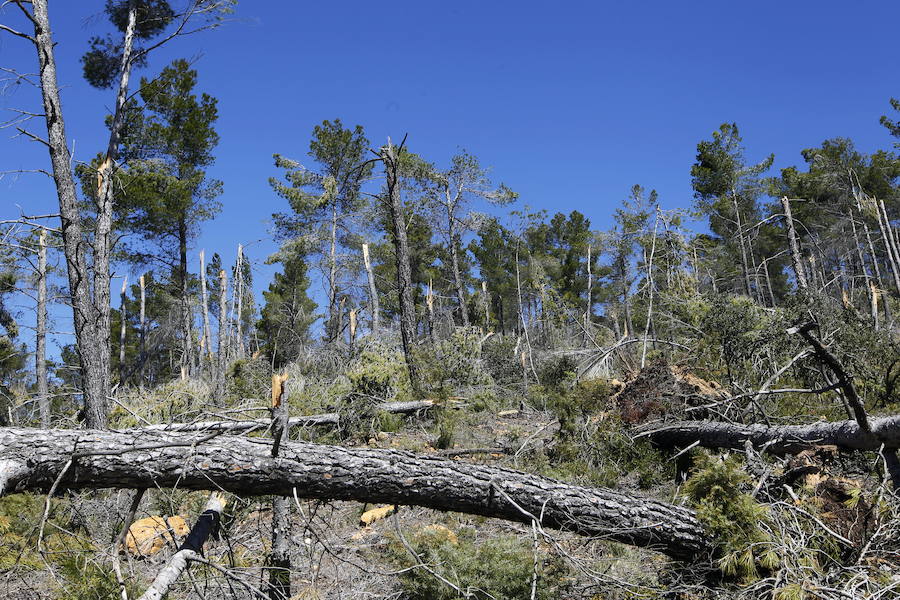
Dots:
(89, 276)
(167, 195)
(452, 194)
(325, 204)
(726, 189)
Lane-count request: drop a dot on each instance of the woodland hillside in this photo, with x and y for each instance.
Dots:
(442, 393)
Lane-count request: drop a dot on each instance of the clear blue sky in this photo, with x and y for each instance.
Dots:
(570, 102)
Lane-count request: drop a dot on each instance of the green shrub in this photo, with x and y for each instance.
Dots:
(730, 515)
(500, 568)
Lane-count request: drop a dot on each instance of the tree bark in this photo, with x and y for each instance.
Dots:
(32, 460)
(90, 308)
(457, 277)
(143, 342)
(404, 272)
(40, 351)
(374, 305)
(239, 294)
(793, 244)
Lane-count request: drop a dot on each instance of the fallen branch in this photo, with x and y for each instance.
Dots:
(302, 421)
(32, 459)
(189, 550)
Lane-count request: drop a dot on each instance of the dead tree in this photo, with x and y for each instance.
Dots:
(390, 156)
(279, 563)
(36, 460)
(793, 244)
(40, 353)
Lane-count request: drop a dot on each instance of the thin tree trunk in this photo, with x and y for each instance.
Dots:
(331, 331)
(890, 242)
(207, 332)
(90, 307)
(374, 305)
(740, 231)
(793, 244)
(239, 291)
(457, 277)
(650, 287)
(487, 305)
(122, 325)
(590, 300)
(404, 271)
(40, 352)
(143, 342)
(223, 337)
(279, 563)
(889, 251)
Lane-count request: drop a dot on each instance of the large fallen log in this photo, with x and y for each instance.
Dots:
(778, 439)
(33, 459)
(332, 418)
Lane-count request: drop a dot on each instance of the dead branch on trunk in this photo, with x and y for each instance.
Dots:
(32, 460)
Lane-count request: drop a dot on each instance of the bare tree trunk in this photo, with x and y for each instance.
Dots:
(239, 291)
(279, 563)
(740, 231)
(374, 305)
(590, 300)
(889, 250)
(404, 271)
(793, 244)
(143, 342)
(486, 297)
(331, 330)
(650, 287)
(32, 459)
(429, 305)
(457, 277)
(223, 337)
(122, 326)
(890, 241)
(40, 352)
(90, 307)
(207, 333)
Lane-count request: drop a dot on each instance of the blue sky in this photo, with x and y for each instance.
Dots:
(571, 102)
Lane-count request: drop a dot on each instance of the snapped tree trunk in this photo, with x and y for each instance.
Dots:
(279, 563)
(122, 325)
(222, 348)
(404, 272)
(40, 351)
(207, 334)
(745, 267)
(90, 307)
(374, 305)
(793, 244)
(33, 459)
(457, 277)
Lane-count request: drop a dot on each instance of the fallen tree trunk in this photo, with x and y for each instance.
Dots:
(302, 421)
(33, 459)
(778, 439)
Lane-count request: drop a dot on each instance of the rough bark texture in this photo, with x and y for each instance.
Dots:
(86, 315)
(206, 346)
(778, 439)
(302, 421)
(32, 459)
(404, 272)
